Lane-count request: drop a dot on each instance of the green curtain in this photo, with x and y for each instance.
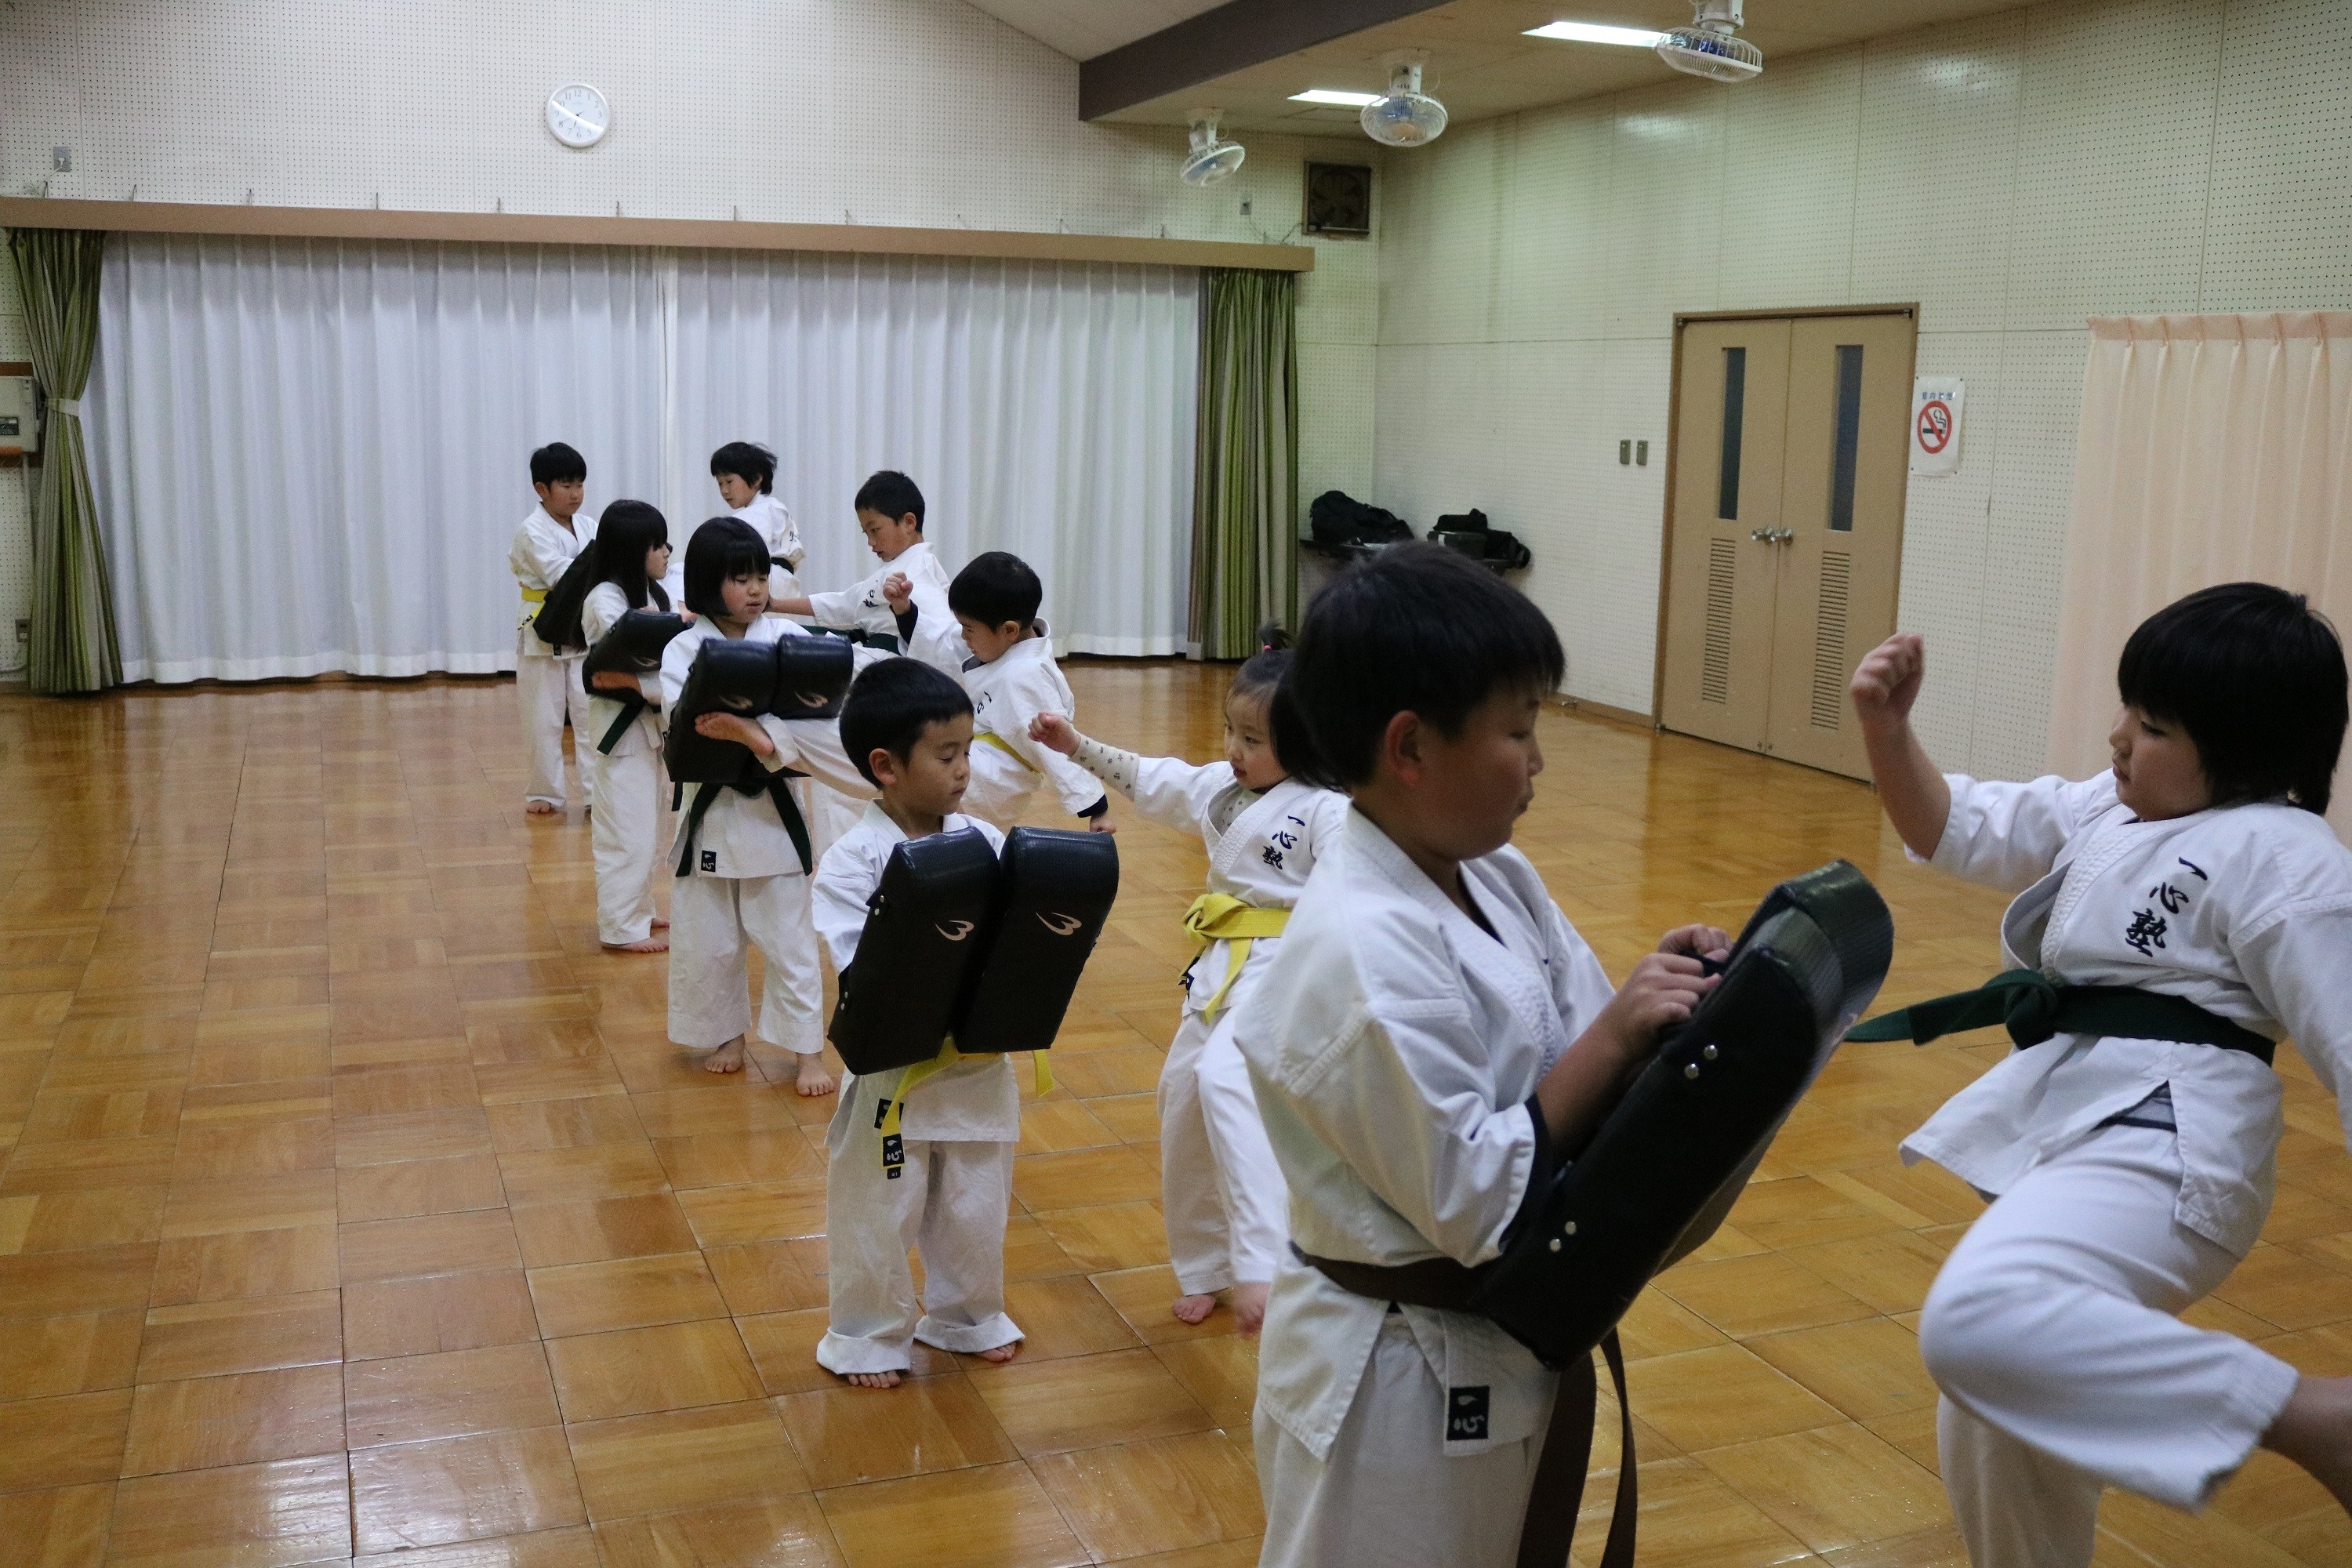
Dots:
(1245, 470)
(74, 646)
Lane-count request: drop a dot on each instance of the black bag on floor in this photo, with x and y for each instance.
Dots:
(922, 936)
(1672, 1157)
(557, 620)
(1336, 520)
(1053, 897)
(792, 677)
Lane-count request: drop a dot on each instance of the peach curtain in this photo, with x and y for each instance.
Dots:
(2214, 449)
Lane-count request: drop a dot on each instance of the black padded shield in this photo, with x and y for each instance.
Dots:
(1672, 1157)
(1053, 898)
(812, 674)
(923, 931)
(633, 645)
(729, 675)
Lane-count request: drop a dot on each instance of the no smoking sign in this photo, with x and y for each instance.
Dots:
(1936, 423)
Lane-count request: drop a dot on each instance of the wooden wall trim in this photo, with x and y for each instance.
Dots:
(693, 234)
(1233, 38)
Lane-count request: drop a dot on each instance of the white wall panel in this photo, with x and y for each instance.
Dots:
(2011, 175)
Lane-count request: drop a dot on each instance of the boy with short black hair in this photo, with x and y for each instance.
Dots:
(547, 679)
(906, 600)
(1431, 1038)
(908, 728)
(1012, 679)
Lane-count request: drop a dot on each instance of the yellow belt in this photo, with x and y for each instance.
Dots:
(534, 595)
(894, 1149)
(990, 737)
(1220, 917)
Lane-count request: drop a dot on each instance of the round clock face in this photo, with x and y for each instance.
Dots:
(578, 115)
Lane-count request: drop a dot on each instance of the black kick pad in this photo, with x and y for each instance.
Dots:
(1672, 1157)
(923, 934)
(632, 647)
(1052, 899)
(792, 678)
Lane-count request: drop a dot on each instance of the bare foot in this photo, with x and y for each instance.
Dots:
(810, 1079)
(541, 808)
(871, 1379)
(727, 1057)
(1194, 1309)
(649, 944)
(1249, 1306)
(1001, 1354)
(2314, 1431)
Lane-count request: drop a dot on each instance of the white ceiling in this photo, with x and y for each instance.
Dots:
(1480, 65)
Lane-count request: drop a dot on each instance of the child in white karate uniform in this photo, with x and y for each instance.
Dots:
(1430, 1040)
(903, 604)
(1012, 679)
(2129, 1144)
(747, 483)
(621, 745)
(547, 681)
(1220, 1193)
(911, 726)
(741, 881)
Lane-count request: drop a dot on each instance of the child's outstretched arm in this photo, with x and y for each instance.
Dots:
(1914, 793)
(1169, 791)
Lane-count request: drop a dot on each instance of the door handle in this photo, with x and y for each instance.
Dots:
(1782, 535)
(1761, 535)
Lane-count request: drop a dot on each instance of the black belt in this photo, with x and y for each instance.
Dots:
(1548, 1529)
(631, 706)
(754, 780)
(2033, 1007)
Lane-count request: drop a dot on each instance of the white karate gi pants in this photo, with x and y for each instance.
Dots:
(1389, 1496)
(949, 1203)
(630, 831)
(546, 684)
(2052, 1331)
(714, 921)
(1221, 1192)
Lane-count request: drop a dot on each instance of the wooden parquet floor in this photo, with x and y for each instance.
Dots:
(354, 1207)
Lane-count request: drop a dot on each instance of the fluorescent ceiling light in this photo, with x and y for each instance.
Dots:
(1597, 33)
(1335, 97)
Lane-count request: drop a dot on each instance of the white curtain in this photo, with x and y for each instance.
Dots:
(1045, 408)
(2214, 449)
(310, 456)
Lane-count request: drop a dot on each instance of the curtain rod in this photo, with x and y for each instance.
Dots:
(693, 234)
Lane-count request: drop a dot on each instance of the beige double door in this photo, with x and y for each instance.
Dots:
(1786, 530)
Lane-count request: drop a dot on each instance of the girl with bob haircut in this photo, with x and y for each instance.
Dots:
(620, 752)
(2176, 916)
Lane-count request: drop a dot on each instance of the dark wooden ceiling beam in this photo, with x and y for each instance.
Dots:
(1218, 43)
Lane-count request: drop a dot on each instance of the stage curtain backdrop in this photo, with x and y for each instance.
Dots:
(2214, 449)
(309, 456)
(1245, 506)
(73, 644)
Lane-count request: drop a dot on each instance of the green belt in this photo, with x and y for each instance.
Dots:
(2032, 1007)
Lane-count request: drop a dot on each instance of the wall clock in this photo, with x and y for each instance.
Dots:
(578, 115)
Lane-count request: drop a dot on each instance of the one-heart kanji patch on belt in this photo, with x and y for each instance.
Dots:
(1466, 1413)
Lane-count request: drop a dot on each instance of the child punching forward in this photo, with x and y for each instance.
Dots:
(620, 752)
(741, 882)
(1431, 1038)
(2175, 916)
(910, 726)
(1013, 677)
(1221, 1192)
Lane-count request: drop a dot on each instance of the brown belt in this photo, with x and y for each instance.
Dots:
(1548, 1530)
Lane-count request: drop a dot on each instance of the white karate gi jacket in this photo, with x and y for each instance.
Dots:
(937, 640)
(2245, 910)
(1006, 696)
(978, 1099)
(1394, 1047)
(604, 607)
(742, 833)
(543, 549)
(772, 520)
(1262, 846)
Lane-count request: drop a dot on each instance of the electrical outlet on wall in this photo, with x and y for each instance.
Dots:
(61, 159)
(24, 629)
(1245, 206)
